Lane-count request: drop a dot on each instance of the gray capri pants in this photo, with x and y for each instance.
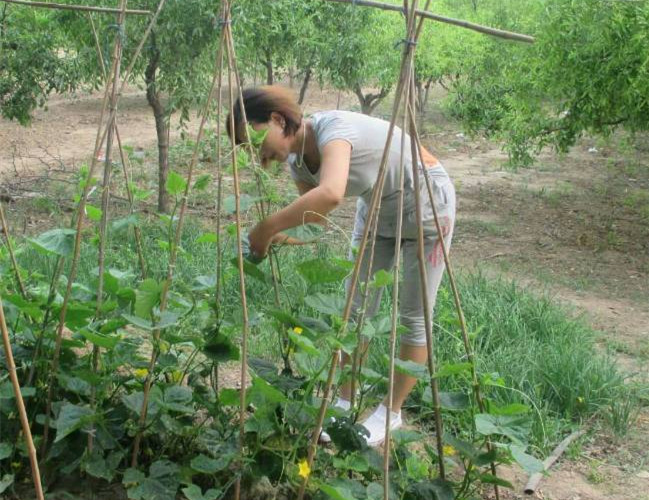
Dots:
(411, 308)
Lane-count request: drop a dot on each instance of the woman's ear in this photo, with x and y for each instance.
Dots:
(279, 119)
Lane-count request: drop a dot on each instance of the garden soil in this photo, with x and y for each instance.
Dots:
(575, 226)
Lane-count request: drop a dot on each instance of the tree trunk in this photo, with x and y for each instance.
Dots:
(161, 126)
(370, 101)
(268, 62)
(305, 84)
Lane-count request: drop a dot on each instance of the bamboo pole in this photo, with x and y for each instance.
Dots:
(54, 365)
(103, 223)
(80, 212)
(421, 258)
(83, 8)
(5, 230)
(173, 254)
(376, 195)
(457, 301)
(508, 35)
(535, 479)
(395, 305)
(242, 284)
(129, 193)
(124, 160)
(24, 422)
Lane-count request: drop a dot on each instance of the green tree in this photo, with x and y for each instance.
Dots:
(32, 63)
(362, 56)
(586, 73)
(57, 50)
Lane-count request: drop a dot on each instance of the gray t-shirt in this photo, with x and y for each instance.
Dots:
(367, 136)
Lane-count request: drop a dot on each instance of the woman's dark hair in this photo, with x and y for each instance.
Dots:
(259, 103)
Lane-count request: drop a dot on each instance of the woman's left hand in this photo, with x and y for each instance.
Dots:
(260, 239)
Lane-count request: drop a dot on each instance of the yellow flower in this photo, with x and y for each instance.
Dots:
(580, 400)
(141, 372)
(448, 450)
(297, 330)
(305, 470)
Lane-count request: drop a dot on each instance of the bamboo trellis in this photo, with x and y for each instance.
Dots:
(404, 100)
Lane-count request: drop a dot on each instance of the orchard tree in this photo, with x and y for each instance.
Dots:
(586, 73)
(32, 64)
(365, 53)
(57, 52)
(266, 33)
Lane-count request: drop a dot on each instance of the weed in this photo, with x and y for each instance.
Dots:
(621, 414)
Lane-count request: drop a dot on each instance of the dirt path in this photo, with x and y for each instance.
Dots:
(576, 226)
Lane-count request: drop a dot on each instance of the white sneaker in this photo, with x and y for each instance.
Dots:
(342, 404)
(375, 424)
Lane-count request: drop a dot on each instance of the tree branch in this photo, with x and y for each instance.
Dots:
(47, 5)
(509, 35)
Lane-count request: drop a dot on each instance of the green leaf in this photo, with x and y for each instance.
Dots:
(202, 182)
(229, 397)
(262, 393)
(337, 493)
(326, 304)
(448, 400)
(411, 368)
(147, 297)
(100, 340)
(245, 202)
(250, 269)
(437, 489)
(6, 481)
(325, 271)
(465, 448)
(491, 479)
(304, 343)
(176, 183)
(204, 283)
(510, 409)
(207, 238)
(57, 242)
(306, 232)
(193, 492)
(219, 348)
(145, 324)
(516, 428)
(375, 491)
(207, 465)
(405, 436)
(93, 213)
(529, 463)
(120, 224)
(71, 418)
(97, 466)
(448, 370)
(381, 278)
(178, 398)
(257, 137)
(167, 319)
(5, 450)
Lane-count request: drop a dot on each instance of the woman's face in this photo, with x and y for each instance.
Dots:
(276, 146)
